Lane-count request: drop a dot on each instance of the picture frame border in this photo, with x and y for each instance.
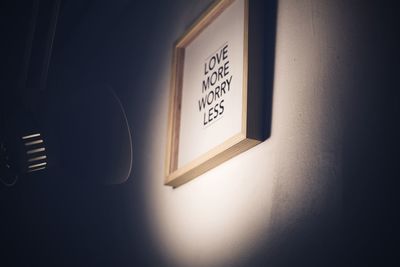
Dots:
(253, 130)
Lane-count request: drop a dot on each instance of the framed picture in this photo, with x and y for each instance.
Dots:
(217, 107)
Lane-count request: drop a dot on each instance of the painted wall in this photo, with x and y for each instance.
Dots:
(282, 203)
(282, 194)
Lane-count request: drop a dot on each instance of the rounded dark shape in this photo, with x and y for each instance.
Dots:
(94, 139)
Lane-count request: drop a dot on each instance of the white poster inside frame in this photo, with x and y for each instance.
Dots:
(212, 85)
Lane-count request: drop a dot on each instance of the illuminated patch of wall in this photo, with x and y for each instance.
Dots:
(256, 200)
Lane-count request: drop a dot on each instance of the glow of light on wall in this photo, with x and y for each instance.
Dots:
(224, 215)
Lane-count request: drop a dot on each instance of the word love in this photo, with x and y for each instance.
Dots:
(216, 83)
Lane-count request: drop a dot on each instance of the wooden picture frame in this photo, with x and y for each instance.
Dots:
(252, 128)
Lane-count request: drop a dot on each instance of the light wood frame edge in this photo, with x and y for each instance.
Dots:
(237, 144)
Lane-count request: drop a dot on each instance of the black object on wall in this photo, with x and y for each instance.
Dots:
(83, 130)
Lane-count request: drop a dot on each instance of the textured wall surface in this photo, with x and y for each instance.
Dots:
(290, 185)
